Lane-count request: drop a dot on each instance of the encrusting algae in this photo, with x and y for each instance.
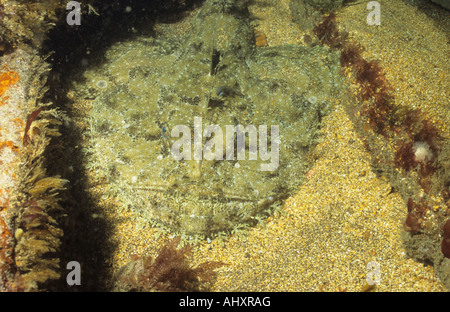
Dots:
(6, 80)
(29, 223)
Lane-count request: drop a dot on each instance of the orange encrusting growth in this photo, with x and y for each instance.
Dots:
(11, 127)
(11, 145)
(6, 80)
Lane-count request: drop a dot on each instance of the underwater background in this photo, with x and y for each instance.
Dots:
(361, 191)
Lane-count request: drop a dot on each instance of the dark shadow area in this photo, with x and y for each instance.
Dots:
(86, 234)
(438, 14)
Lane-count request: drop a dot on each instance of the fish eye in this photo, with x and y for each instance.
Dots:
(220, 91)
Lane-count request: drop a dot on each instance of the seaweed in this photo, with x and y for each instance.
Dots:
(351, 54)
(418, 141)
(411, 120)
(411, 223)
(415, 216)
(328, 33)
(419, 131)
(404, 155)
(169, 271)
(425, 172)
(429, 134)
(375, 118)
(382, 114)
(422, 129)
(32, 117)
(445, 244)
(370, 76)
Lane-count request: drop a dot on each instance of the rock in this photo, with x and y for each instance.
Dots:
(443, 3)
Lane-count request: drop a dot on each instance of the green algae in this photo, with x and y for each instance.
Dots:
(152, 85)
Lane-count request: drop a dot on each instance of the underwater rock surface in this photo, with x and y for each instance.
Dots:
(443, 3)
(149, 88)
